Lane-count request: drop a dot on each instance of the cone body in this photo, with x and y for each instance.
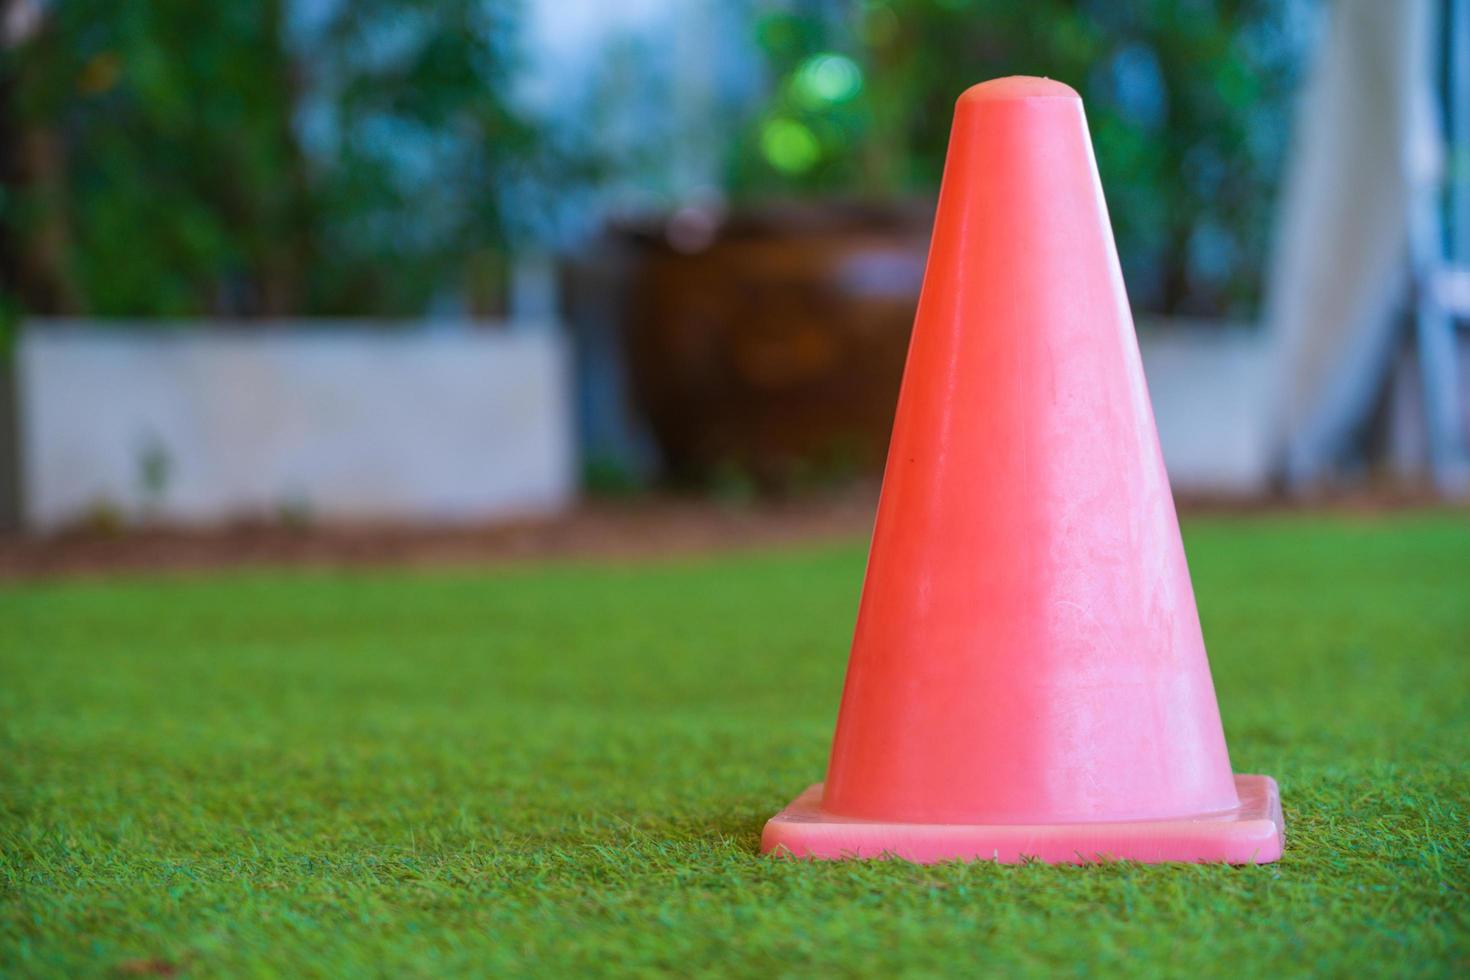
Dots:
(1027, 648)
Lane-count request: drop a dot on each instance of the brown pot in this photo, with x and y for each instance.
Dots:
(773, 343)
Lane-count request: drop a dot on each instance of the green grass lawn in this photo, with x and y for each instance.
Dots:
(564, 769)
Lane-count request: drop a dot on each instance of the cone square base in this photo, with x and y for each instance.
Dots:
(1252, 834)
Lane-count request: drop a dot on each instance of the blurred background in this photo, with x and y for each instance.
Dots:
(456, 261)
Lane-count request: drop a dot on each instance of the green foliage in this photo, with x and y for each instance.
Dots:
(207, 158)
(1187, 101)
(564, 770)
(203, 161)
(173, 134)
(425, 150)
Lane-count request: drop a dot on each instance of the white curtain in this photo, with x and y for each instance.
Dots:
(1366, 143)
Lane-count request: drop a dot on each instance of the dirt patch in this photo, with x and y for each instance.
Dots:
(645, 527)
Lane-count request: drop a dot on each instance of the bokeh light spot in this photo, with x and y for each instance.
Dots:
(789, 146)
(824, 79)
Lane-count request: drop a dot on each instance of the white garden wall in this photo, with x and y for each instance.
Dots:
(195, 423)
(199, 423)
(1212, 393)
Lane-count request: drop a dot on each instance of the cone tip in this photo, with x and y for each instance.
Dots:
(1017, 87)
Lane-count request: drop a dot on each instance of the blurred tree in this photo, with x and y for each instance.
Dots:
(418, 148)
(265, 157)
(184, 158)
(1187, 101)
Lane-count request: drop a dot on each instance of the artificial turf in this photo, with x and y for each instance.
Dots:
(564, 769)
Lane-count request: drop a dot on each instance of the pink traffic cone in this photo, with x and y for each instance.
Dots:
(1028, 677)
